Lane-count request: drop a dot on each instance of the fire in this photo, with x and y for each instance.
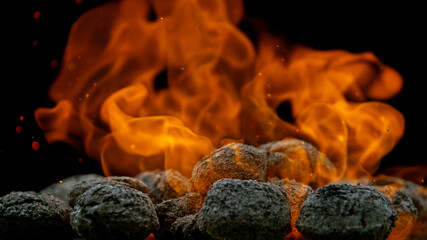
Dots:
(216, 87)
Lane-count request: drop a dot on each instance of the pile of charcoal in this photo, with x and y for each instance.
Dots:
(236, 192)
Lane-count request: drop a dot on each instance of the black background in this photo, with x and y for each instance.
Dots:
(394, 33)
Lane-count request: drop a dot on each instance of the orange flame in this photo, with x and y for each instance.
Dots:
(219, 89)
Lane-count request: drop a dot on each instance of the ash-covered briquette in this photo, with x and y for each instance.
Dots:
(235, 160)
(344, 211)
(129, 182)
(416, 193)
(407, 215)
(164, 185)
(62, 189)
(298, 160)
(170, 210)
(409, 202)
(114, 211)
(243, 209)
(30, 214)
(79, 188)
(403, 203)
(185, 228)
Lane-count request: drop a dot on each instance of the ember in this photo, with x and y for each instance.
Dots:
(35, 145)
(182, 111)
(37, 15)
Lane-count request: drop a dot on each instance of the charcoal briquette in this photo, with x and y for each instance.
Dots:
(86, 183)
(81, 187)
(235, 160)
(164, 185)
(129, 182)
(62, 188)
(171, 210)
(244, 209)
(345, 211)
(113, 211)
(299, 160)
(185, 228)
(407, 215)
(416, 193)
(34, 215)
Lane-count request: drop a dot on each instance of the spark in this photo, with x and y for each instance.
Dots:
(37, 15)
(54, 63)
(35, 145)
